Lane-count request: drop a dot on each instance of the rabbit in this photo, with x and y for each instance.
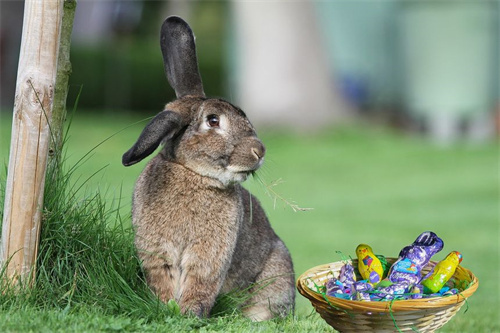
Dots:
(198, 232)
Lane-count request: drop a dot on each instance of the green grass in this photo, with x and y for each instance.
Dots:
(366, 184)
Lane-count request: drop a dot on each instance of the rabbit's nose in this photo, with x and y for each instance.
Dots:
(257, 153)
(258, 150)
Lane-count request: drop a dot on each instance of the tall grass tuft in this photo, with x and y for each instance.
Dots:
(86, 256)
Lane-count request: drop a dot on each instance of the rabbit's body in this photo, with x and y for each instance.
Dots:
(192, 261)
(198, 232)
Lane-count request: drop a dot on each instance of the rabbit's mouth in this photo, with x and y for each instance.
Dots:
(237, 174)
(245, 170)
(227, 175)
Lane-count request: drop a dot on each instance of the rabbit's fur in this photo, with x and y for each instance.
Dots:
(199, 233)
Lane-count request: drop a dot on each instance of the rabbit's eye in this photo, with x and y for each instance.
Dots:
(213, 120)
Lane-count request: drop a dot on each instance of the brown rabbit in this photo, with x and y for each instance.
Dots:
(198, 232)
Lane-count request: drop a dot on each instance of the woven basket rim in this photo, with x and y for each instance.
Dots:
(382, 306)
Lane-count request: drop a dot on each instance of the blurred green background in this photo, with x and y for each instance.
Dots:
(380, 174)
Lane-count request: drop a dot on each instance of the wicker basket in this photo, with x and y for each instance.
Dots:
(421, 315)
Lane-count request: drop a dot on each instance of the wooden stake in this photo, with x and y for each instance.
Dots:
(62, 80)
(36, 78)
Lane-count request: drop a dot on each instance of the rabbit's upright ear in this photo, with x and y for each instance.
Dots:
(165, 125)
(179, 57)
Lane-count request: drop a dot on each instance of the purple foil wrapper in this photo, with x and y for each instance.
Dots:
(361, 296)
(333, 286)
(363, 286)
(414, 257)
(361, 291)
(346, 275)
(394, 291)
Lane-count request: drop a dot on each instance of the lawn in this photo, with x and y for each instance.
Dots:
(363, 183)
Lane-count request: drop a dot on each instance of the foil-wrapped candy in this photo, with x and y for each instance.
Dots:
(347, 275)
(362, 291)
(334, 286)
(414, 257)
(396, 290)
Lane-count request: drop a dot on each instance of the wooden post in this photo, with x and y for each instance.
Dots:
(36, 78)
(62, 85)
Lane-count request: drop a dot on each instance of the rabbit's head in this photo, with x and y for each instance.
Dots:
(211, 137)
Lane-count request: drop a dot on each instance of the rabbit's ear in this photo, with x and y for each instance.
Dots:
(179, 57)
(163, 126)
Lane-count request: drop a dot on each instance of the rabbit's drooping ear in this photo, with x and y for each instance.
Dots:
(163, 126)
(179, 57)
